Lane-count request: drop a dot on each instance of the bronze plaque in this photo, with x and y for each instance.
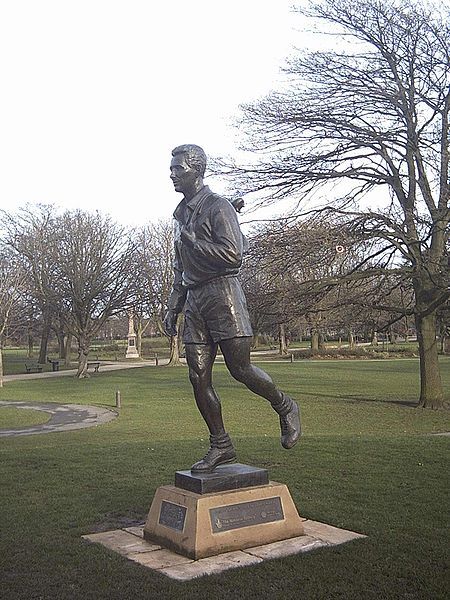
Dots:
(172, 515)
(235, 516)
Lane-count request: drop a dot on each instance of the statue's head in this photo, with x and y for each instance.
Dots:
(194, 156)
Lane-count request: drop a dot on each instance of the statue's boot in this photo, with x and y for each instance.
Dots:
(221, 451)
(290, 424)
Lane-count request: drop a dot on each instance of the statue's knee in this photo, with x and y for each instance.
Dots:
(194, 377)
(239, 373)
(197, 377)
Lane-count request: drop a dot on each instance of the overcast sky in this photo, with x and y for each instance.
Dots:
(96, 93)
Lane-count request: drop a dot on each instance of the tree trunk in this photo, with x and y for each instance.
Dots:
(68, 350)
(61, 344)
(431, 392)
(374, 340)
(44, 338)
(255, 341)
(83, 351)
(351, 340)
(314, 340)
(30, 343)
(139, 341)
(181, 346)
(321, 341)
(282, 344)
(139, 330)
(174, 360)
(1, 366)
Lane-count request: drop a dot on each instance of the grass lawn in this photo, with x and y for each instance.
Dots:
(366, 463)
(21, 417)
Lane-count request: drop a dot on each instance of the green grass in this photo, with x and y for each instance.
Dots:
(366, 463)
(21, 417)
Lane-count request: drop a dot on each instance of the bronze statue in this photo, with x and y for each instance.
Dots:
(208, 254)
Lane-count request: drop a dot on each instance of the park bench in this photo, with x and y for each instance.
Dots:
(54, 363)
(95, 365)
(33, 367)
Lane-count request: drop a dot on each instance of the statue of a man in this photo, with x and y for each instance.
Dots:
(208, 254)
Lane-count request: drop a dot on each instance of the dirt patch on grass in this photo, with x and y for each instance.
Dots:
(115, 520)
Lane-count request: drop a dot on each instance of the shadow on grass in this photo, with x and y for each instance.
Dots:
(355, 399)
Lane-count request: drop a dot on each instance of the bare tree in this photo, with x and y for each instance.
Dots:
(307, 269)
(363, 131)
(32, 233)
(284, 264)
(154, 263)
(94, 264)
(12, 278)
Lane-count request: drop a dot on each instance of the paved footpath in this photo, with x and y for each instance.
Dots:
(63, 417)
(104, 367)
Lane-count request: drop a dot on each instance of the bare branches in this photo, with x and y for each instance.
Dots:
(324, 273)
(12, 282)
(361, 131)
(154, 269)
(94, 260)
(79, 269)
(368, 116)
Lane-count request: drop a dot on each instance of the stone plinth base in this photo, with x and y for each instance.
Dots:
(131, 347)
(131, 353)
(201, 525)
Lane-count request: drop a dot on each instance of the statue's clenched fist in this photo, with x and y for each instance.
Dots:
(170, 323)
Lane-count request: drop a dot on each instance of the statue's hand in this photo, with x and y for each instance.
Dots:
(170, 323)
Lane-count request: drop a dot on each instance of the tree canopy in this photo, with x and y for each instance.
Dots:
(361, 130)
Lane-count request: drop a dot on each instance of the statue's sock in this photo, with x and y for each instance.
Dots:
(284, 405)
(221, 441)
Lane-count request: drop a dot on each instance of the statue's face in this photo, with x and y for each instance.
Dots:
(182, 175)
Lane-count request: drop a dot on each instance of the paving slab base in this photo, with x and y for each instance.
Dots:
(129, 542)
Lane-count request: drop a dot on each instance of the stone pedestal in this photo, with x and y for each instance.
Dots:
(235, 507)
(131, 347)
(131, 344)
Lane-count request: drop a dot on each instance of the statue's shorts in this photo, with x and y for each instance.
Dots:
(215, 311)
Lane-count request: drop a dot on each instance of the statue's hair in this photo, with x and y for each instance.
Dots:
(195, 156)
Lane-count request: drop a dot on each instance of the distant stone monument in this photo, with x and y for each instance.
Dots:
(131, 345)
